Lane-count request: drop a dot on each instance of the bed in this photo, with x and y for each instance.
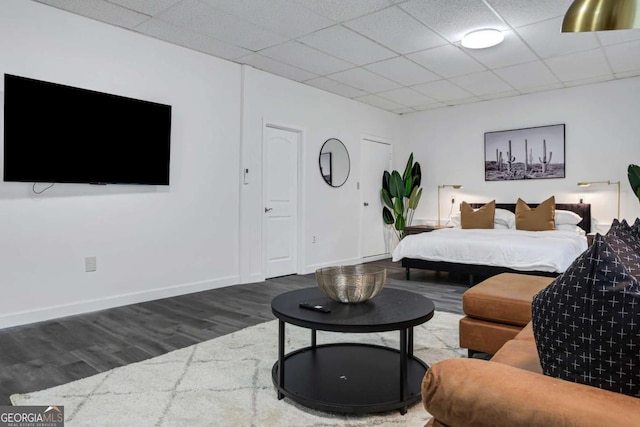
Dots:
(489, 252)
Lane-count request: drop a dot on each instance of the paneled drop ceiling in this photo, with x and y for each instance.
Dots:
(398, 55)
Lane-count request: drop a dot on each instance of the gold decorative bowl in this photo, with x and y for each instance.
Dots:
(351, 283)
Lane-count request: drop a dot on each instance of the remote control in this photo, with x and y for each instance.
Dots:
(315, 307)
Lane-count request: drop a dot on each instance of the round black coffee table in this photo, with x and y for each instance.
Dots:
(350, 377)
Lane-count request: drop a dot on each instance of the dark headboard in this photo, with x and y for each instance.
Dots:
(582, 209)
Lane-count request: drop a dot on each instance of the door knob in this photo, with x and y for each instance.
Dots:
(267, 209)
(366, 203)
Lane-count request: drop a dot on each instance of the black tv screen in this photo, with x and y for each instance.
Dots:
(58, 133)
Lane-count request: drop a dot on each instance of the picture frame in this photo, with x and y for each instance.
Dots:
(527, 153)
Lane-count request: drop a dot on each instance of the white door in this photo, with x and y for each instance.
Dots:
(280, 169)
(376, 158)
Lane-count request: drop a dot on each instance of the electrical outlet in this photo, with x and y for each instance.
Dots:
(90, 264)
(313, 240)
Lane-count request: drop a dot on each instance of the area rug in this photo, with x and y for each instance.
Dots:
(227, 382)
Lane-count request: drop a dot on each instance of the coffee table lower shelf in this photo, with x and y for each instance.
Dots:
(349, 378)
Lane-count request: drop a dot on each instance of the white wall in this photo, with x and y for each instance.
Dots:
(602, 139)
(330, 214)
(204, 230)
(149, 241)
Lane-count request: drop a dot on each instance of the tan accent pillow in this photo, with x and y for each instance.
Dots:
(481, 218)
(540, 218)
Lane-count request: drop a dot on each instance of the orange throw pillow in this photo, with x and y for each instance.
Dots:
(482, 218)
(540, 218)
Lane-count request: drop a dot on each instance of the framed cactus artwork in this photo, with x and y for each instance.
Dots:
(529, 153)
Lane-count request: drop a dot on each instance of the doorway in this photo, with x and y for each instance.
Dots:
(280, 197)
(376, 158)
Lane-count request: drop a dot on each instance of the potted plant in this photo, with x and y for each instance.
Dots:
(401, 195)
(633, 172)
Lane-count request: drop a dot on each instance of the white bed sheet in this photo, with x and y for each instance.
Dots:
(549, 251)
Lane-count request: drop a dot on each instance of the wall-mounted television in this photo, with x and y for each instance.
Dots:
(62, 134)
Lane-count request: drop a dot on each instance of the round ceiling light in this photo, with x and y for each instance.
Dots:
(481, 39)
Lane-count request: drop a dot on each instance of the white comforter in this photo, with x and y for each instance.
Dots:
(550, 251)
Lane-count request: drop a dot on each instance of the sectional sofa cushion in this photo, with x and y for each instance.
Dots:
(587, 322)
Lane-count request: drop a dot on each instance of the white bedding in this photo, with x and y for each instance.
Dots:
(549, 251)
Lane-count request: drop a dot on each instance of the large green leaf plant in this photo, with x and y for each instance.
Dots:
(634, 179)
(401, 195)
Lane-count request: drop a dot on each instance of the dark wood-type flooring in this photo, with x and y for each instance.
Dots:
(46, 354)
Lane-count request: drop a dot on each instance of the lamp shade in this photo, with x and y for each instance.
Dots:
(600, 15)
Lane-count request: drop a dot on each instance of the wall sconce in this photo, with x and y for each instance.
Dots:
(599, 15)
(454, 186)
(589, 183)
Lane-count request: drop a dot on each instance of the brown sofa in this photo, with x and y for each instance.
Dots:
(497, 309)
(510, 390)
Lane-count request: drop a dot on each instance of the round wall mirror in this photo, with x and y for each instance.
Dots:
(334, 162)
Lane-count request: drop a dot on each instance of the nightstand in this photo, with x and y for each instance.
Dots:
(590, 237)
(416, 229)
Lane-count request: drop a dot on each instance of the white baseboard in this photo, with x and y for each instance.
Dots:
(375, 257)
(252, 278)
(49, 313)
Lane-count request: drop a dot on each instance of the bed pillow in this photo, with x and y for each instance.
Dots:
(569, 227)
(567, 217)
(496, 226)
(505, 217)
(585, 322)
(479, 218)
(540, 218)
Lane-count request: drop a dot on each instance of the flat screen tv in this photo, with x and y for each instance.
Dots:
(57, 133)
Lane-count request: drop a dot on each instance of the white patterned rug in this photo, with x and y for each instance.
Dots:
(227, 382)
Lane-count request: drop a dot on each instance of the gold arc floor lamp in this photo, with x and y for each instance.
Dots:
(601, 15)
(454, 186)
(589, 183)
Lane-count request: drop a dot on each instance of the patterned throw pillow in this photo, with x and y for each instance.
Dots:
(626, 244)
(623, 231)
(587, 322)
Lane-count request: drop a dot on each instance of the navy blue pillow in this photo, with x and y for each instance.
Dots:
(636, 228)
(586, 323)
(624, 241)
(625, 231)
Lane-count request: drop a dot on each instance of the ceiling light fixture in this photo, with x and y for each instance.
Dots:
(481, 39)
(599, 15)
